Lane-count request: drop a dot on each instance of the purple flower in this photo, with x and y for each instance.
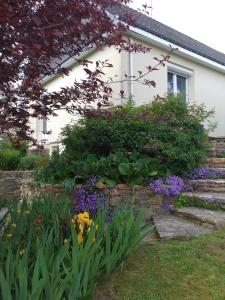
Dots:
(207, 173)
(167, 206)
(171, 186)
(88, 198)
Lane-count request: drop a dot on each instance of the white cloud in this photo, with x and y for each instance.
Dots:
(200, 19)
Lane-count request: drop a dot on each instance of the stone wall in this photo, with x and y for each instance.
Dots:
(11, 182)
(137, 195)
(30, 190)
(19, 185)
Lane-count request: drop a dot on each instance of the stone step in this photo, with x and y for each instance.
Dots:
(207, 185)
(210, 173)
(212, 219)
(171, 227)
(215, 162)
(215, 197)
(216, 153)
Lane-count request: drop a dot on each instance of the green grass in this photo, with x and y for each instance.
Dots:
(176, 270)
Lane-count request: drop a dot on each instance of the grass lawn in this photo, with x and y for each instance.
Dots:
(175, 270)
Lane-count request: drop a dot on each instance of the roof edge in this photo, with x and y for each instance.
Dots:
(166, 45)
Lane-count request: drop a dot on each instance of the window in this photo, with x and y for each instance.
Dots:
(178, 85)
(45, 125)
(178, 81)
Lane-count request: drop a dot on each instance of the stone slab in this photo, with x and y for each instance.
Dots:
(207, 185)
(213, 218)
(170, 227)
(207, 196)
(216, 160)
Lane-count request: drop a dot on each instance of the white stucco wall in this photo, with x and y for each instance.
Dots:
(206, 85)
(55, 124)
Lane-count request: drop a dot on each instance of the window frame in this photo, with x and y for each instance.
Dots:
(176, 70)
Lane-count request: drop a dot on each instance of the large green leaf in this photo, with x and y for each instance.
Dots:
(125, 168)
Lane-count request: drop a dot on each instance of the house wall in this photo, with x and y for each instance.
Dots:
(205, 85)
(55, 124)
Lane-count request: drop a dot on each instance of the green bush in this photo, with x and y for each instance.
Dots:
(9, 156)
(15, 158)
(30, 162)
(167, 136)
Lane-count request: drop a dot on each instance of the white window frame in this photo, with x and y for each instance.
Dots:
(177, 70)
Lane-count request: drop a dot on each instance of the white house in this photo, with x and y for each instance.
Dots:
(194, 69)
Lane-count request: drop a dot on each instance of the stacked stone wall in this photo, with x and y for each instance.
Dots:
(20, 185)
(11, 182)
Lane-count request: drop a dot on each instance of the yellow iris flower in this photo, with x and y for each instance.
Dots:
(83, 218)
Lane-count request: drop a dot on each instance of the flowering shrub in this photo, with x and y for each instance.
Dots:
(207, 173)
(171, 186)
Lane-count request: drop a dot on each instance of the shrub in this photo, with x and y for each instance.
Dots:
(30, 162)
(129, 144)
(12, 158)
(169, 129)
(9, 156)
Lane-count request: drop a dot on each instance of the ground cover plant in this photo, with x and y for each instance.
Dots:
(210, 202)
(172, 270)
(132, 144)
(47, 252)
(15, 158)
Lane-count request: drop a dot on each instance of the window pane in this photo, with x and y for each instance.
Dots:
(170, 83)
(181, 86)
(45, 129)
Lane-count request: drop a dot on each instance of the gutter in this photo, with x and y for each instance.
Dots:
(145, 36)
(159, 42)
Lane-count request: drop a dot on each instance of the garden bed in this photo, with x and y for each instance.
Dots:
(49, 250)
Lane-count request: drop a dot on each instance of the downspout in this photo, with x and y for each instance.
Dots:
(131, 72)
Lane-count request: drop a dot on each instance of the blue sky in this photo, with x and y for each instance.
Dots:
(203, 20)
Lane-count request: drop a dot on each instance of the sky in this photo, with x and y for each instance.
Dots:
(203, 20)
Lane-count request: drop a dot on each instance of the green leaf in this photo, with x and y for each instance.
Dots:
(153, 173)
(124, 168)
(109, 182)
